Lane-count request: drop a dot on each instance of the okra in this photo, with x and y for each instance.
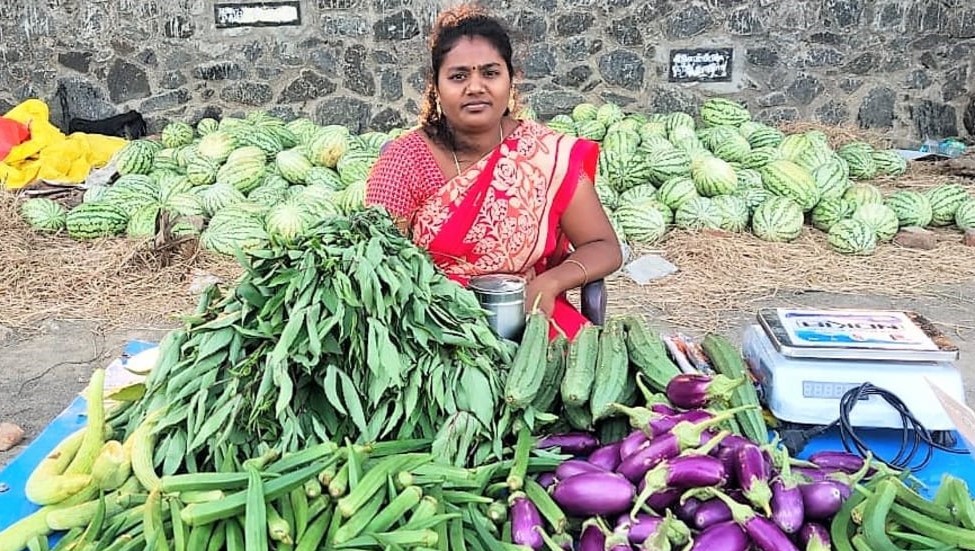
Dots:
(339, 485)
(234, 535)
(312, 488)
(374, 479)
(962, 503)
(199, 536)
(947, 533)
(354, 525)
(353, 462)
(255, 513)
(425, 509)
(303, 457)
(546, 505)
(278, 528)
(311, 538)
(179, 529)
(397, 509)
(875, 517)
(218, 538)
(299, 507)
(523, 448)
(399, 538)
(153, 530)
(907, 496)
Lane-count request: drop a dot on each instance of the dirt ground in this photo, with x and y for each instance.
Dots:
(42, 370)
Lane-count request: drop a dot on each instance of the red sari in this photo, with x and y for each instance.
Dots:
(501, 215)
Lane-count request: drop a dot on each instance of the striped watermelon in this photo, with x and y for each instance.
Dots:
(830, 211)
(666, 164)
(329, 146)
(93, 220)
(131, 191)
(293, 165)
(714, 135)
(320, 201)
(136, 157)
(831, 178)
(233, 229)
(757, 158)
(184, 204)
(793, 146)
(698, 213)
(677, 120)
(713, 176)
(142, 223)
(753, 196)
(651, 143)
(787, 179)
(584, 112)
(863, 194)
(814, 156)
(733, 149)
(653, 128)
(965, 215)
(748, 128)
(202, 170)
(748, 178)
(677, 191)
(303, 128)
(637, 193)
(563, 124)
(320, 175)
(43, 214)
(889, 162)
(765, 136)
(852, 237)
(945, 200)
(177, 133)
(591, 130)
(608, 196)
(626, 170)
(859, 155)
(734, 212)
(721, 111)
(641, 222)
(880, 218)
(217, 146)
(609, 113)
(264, 138)
(206, 126)
(219, 196)
(244, 168)
(910, 207)
(287, 221)
(818, 138)
(778, 219)
(621, 140)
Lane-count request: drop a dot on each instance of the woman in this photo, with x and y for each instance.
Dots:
(485, 193)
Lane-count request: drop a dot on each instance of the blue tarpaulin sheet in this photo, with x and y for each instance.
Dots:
(14, 505)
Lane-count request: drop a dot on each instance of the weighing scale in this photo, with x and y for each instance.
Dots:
(805, 360)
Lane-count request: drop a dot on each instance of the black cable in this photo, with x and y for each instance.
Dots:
(913, 434)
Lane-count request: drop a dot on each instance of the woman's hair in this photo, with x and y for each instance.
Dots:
(466, 21)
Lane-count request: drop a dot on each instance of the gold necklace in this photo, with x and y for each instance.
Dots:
(454, 151)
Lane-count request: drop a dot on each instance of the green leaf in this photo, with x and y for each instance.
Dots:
(128, 393)
(330, 386)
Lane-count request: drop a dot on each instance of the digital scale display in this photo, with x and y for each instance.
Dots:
(826, 390)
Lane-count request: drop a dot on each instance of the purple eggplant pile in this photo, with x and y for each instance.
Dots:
(681, 480)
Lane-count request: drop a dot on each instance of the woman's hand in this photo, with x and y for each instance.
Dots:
(545, 290)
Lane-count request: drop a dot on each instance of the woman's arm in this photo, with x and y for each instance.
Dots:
(388, 186)
(597, 249)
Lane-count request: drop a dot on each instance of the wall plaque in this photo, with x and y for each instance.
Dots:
(701, 65)
(256, 14)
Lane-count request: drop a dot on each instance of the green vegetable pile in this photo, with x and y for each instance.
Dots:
(347, 333)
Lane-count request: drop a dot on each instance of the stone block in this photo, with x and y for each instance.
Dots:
(575, 23)
(625, 31)
(548, 103)
(805, 88)
(398, 26)
(390, 84)
(247, 93)
(914, 237)
(220, 70)
(762, 56)
(744, 22)
(386, 120)
(358, 76)
(934, 120)
(127, 81)
(969, 118)
(575, 77)
(166, 100)
(877, 109)
(833, 112)
(308, 86)
(79, 61)
(540, 61)
(622, 68)
(690, 21)
(352, 113)
(842, 13)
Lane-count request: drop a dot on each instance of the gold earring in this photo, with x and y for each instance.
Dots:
(439, 109)
(511, 103)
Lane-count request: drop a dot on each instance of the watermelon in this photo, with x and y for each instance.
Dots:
(177, 133)
(303, 129)
(853, 237)
(636, 193)
(329, 146)
(753, 197)
(217, 146)
(319, 201)
(94, 193)
(748, 178)
(757, 158)
(965, 215)
(778, 219)
(880, 218)
(244, 168)
(641, 222)
(734, 212)
(219, 196)
(585, 112)
(677, 120)
(721, 111)
(293, 165)
(653, 143)
(748, 128)
(765, 136)
(677, 191)
(264, 138)
(698, 213)
(591, 130)
(142, 223)
(131, 191)
(793, 146)
(625, 170)
(859, 156)
(653, 128)
(945, 200)
(165, 160)
(714, 135)
(814, 156)
(889, 162)
(202, 170)
(136, 157)
(563, 124)
(733, 149)
(97, 219)
(43, 214)
(831, 178)
(787, 179)
(206, 126)
(286, 221)
(666, 164)
(910, 207)
(609, 113)
(713, 176)
(863, 194)
(184, 204)
(621, 140)
(608, 196)
(233, 229)
(830, 211)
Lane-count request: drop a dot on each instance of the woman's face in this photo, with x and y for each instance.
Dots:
(473, 85)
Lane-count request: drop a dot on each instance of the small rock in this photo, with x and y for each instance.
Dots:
(969, 238)
(914, 237)
(10, 436)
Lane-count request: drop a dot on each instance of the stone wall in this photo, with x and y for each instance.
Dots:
(902, 66)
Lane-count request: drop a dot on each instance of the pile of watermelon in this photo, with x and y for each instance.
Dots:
(722, 170)
(242, 181)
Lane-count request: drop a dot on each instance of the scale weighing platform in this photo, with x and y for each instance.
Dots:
(806, 360)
